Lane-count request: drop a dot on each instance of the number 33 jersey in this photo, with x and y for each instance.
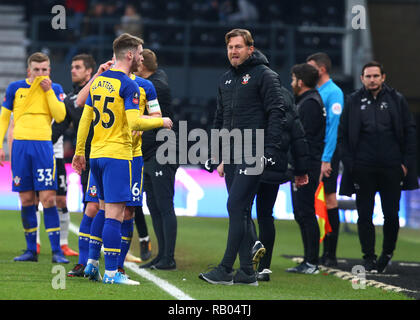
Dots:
(110, 95)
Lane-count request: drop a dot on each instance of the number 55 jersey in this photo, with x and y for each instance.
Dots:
(111, 95)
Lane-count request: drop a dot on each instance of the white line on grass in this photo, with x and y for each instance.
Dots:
(163, 284)
(344, 275)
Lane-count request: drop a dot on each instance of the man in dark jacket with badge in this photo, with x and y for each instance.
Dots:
(377, 142)
(249, 98)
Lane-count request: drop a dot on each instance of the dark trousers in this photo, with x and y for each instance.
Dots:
(303, 200)
(159, 185)
(266, 198)
(241, 188)
(388, 182)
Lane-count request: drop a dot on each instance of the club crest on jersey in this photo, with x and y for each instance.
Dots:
(62, 96)
(16, 181)
(136, 98)
(245, 78)
(93, 191)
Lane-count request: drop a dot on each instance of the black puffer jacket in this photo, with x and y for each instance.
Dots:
(251, 97)
(163, 91)
(298, 155)
(404, 130)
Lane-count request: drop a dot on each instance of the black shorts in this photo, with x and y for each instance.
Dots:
(330, 183)
(61, 177)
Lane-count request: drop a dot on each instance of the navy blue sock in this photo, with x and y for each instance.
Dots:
(112, 243)
(84, 237)
(52, 227)
(29, 222)
(127, 228)
(96, 229)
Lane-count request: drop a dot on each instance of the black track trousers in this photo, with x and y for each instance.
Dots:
(242, 189)
(388, 182)
(303, 200)
(159, 185)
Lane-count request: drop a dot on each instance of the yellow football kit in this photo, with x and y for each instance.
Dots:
(113, 105)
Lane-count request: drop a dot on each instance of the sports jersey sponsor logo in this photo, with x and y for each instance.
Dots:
(228, 81)
(336, 108)
(16, 181)
(136, 98)
(93, 192)
(245, 78)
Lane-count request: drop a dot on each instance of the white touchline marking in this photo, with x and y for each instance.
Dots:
(344, 275)
(163, 284)
(369, 282)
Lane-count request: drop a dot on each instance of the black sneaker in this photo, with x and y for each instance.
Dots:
(370, 265)
(165, 265)
(264, 275)
(258, 251)
(329, 262)
(218, 275)
(304, 268)
(243, 278)
(145, 250)
(150, 264)
(383, 262)
(77, 271)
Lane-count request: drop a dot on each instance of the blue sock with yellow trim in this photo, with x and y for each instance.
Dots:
(127, 228)
(96, 229)
(112, 243)
(52, 227)
(29, 222)
(84, 237)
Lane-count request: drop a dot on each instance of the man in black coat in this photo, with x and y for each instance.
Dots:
(377, 143)
(159, 180)
(312, 114)
(249, 98)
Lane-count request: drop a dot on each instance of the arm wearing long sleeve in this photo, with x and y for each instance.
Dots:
(83, 131)
(58, 129)
(136, 123)
(409, 130)
(4, 123)
(334, 111)
(343, 141)
(84, 93)
(57, 108)
(274, 104)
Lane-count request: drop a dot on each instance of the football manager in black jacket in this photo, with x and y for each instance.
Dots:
(249, 97)
(377, 143)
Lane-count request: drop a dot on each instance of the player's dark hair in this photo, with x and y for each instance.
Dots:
(249, 41)
(150, 60)
(321, 59)
(307, 73)
(125, 42)
(373, 64)
(88, 61)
